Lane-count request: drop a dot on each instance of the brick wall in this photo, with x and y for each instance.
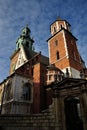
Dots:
(39, 78)
(13, 61)
(74, 57)
(54, 48)
(36, 81)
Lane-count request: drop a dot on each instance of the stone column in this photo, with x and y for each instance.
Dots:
(57, 110)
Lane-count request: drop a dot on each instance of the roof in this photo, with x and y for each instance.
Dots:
(29, 53)
(60, 31)
(75, 80)
(13, 74)
(53, 67)
(16, 51)
(66, 83)
(59, 19)
(44, 60)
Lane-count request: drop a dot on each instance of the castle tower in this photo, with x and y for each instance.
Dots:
(30, 65)
(63, 50)
(24, 50)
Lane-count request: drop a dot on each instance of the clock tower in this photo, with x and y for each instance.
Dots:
(63, 50)
(24, 50)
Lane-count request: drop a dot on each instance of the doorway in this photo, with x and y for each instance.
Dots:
(73, 114)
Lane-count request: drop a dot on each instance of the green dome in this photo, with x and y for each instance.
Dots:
(25, 39)
(26, 31)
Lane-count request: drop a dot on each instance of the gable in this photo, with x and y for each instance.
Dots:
(70, 82)
(21, 58)
(66, 83)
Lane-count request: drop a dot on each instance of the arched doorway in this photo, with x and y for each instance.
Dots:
(73, 114)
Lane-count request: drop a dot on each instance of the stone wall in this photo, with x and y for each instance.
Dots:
(43, 121)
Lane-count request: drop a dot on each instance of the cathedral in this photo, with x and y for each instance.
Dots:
(36, 81)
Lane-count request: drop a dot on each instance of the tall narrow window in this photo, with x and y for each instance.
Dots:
(55, 77)
(57, 55)
(8, 92)
(26, 95)
(54, 29)
(56, 42)
(50, 77)
(61, 26)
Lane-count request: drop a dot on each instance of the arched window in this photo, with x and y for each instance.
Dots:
(57, 55)
(54, 29)
(8, 94)
(26, 92)
(61, 26)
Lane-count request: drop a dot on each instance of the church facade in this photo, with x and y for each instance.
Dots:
(36, 82)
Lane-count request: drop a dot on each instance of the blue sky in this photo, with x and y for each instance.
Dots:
(39, 14)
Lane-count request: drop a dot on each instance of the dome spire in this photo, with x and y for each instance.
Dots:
(25, 38)
(26, 31)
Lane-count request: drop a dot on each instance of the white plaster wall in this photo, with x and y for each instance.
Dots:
(65, 44)
(18, 82)
(21, 106)
(73, 72)
(21, 58)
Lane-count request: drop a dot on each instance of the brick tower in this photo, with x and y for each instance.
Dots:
(63, 50)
